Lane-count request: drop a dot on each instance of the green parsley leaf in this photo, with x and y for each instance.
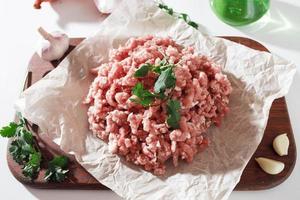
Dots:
(21, 119)
(193, 24)
(138, 90)
(161, 95)
(57, 169)
(162, 6)
(157, 69)
(162, 67)
(60, 161)
(32, 167)
(170, 11)
(26, 136)
(184, 16)
(16, 151)
(163, 62)
(143, 70)
(144, 97)
(165, 80)
(9, 131)
(173, 110)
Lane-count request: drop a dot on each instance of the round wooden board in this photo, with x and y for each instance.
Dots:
(253, 178)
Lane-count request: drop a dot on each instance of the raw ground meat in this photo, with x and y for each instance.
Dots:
(141, 134)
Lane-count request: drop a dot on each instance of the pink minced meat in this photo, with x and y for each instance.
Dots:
(141, 134)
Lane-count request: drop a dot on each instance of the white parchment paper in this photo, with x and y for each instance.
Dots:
(55, 104)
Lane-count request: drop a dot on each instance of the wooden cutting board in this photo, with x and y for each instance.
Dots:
(253, 178)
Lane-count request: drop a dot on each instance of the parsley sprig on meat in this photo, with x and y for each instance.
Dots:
(166, 80)
(143, 70)
(144, 97)
(25, 151)
(173, 110)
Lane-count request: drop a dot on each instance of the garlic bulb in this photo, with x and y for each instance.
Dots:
(107, 6)
(53, 46)
(270, 166)
(281, 144)
(37, 3)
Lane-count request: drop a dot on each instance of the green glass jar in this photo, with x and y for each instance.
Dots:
(240, 12)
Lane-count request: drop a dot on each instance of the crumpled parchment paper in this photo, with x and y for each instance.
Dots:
(55, 104)
(106, 6)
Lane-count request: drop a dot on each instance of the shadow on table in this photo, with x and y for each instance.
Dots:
(280, 26)
(45, 194)
(76, 11)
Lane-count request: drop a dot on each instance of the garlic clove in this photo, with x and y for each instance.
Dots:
(281, 144)
(37, 3)
(270, 166)
(107, 6)
(53, 46)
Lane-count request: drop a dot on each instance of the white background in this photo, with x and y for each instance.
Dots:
(79, 18)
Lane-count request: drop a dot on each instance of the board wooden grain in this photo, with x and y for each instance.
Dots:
(253, 178)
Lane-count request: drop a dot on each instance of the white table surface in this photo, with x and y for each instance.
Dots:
(18, 38)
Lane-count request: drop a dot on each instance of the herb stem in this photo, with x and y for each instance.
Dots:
(185, 17)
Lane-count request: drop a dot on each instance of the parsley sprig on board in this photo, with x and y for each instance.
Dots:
(22, 148)
(32, 167)
(57, 169)
(25, 151)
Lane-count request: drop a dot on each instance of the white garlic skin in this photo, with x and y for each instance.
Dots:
(55, 47)
(107, 6)
(270, 166)
(281, 144)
